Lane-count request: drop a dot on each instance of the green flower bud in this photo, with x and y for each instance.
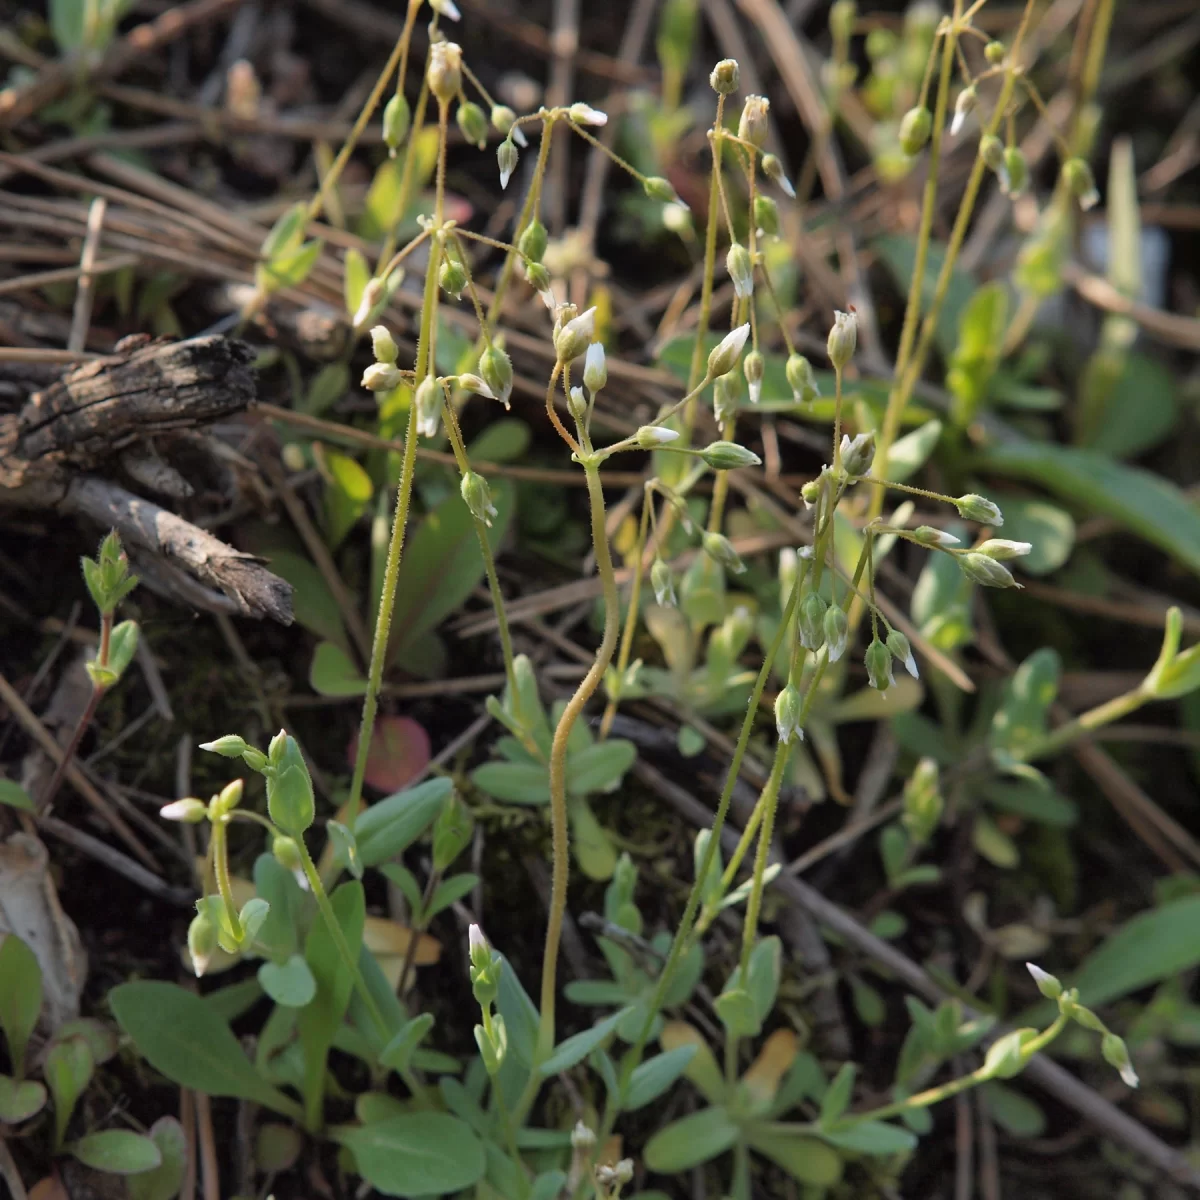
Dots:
(720, 549)
(878, 660)
(227, 800)
(843, 339)
(595, 368)
(575, 336)
(577, 404)
(1116, 1054)
(472, 124)
(658, 188)
(900, 649)
(994, 52)
(801, 379)
(837, 632)
(584, 114)
(725, 398)
(1080, 183)
(287, 853)
(256, 760)
(397, 120)
(382, 377)
(383, 345)
(290, 801)
(766, 215)
(1016, 171)
(495, 367)
(1001, 549)
(229, 746)
(663, 583)
(939, 539)
(915, 127)
(741, 271)
(724, 77)
(506, 160)
(858, 453)
(202, 941)
(755, 118)
(728, 456)
(986, 571)
(477, 497)
(538, 278)
(923, 803)
(723, 357)
(444, 74)
(190, 811)
(1047, 984)
(968, 100)
(842, 16)
(810, 621)
(452, 278)
(277, 748)
(503, 119)
(991, 150)
(533, 240)
(753, 367)
(1006, 1056)
(651, 437)
(789, 705)
(494, 1046)
(428, 399)
(977, 508)
(810, 493)
(773, 170)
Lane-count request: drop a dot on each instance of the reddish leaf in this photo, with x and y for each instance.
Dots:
(399, 753)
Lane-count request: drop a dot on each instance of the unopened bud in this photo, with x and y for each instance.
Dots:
(753, 367)
(663, 583)
(429, 407)
(190, 811)
(755, 118)
(575, 336)
(381, 377)
(472, 124)
(496, 369)
(229, 746)
(202, 941)
(1047, 984)
(986, 571)
(843, 339)
(837, 632)
(477, 497)
(287, 853)
(372, 298)
(533, 240)
(994, 52)
(1016, 171)
(452, 278)
(582, 1138)
(858, 453)
(658, 188)
(810, 621)
(724, 77)
(726, 398)
(1116, 1054)
(966, 103)
(810, 493)
(801, 379)
(538, 277)
(650, 437)
(478, 948)
(472, 383)
(773, 169)
(577, 404)
(927, 535)
(506, 159)
(1079, 181)
(741, 271)
(383, 345)
(725, 354)
(978, 508)
(720, 549)
(901, 649)
(789, 705)
(445, 71)
(446, 8)
(1001, 549)
(878, 661)
(991, 150)
(842, 15)
(728, 456)
(228, 799)
(595, 368)
(585, 114)
(766, 215)
(915, 127)
(397, 119)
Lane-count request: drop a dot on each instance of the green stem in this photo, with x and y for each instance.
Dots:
(1088, 722)
(220, 855)
(769, 802)
(631, 619)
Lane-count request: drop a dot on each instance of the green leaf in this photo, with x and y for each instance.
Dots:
(20, 1100)
(1021, 718)
(505, 440)
(119, 1151)
(737, 1011)
(180, 1036)
(348, 492)
(290, 268)
(14, 795)
(328, 386)
(1013, 1111)
(898, 252)
(994, 844)
(576, 1048)
(318, 1022)
(289, 983)
(1148, 504)
(977, 353)
(406, 881)
(398, 1052)
(20, 998)
(164, 1181)
(911, 452)
(1047, 528)
(356, 274)
(442, 566)
(762, 980)
(1027, 799)
(520, 1015)
(417, 1154)
(802, 1156)
(871, 1137)
(515, 783)
(690, 1141)
(313, 605)
(68, 1070)
(345, 848)
(389, 827)
(837, 1096)
(1136, 400)
(450, 891)
(287, 232)
(655, 1075)
(1150, 947)
(599, 767)
(590, 844)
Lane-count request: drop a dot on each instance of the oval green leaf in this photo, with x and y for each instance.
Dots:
(417, 1154)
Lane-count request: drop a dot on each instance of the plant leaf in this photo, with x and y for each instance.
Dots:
(1046, 527)
(576, 1048)
(20, 998)
(15, 796)
(348, 491)
(690, 1141)
(332, 673)
(289, 983)
(182, 1037)
(515, 783)
(417, 1154)
(802, 1156)
(389, 827)
(68, 1070)
(655, 1075)
(871, 1137)
(119, 1151)
(590, 844)
(398, 754)
(164, 1181)
(20, 1100)
(313, 605)
(599, 767)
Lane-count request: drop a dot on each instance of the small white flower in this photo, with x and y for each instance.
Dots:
(381, 377)
(472, 383)
(576, 335)
(650, 436)
(726, 353)
(595, 368)
(446, 8)
(585, 114)
(475, 938)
